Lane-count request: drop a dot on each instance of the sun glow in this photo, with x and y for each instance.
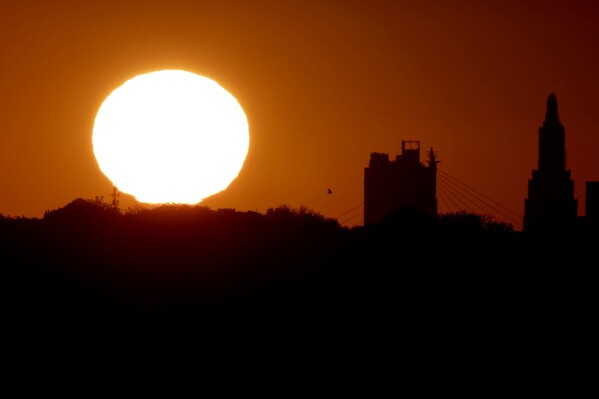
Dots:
(170, 136)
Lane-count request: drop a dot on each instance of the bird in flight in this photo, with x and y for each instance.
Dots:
(329, 191)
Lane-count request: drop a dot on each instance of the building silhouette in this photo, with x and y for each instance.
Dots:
(403, 182)
(592, 200)
(550, 201)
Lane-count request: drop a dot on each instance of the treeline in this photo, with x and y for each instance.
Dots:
(90, 264)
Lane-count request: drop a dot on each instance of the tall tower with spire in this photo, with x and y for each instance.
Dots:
(550, 201)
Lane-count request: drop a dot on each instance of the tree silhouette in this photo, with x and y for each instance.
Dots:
(194, 267)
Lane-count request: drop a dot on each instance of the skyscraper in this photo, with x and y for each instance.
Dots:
(550, 201)
(403, 182)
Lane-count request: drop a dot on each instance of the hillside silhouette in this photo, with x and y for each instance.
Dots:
(454, 277)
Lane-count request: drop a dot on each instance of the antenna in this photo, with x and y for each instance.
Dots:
(115, 197)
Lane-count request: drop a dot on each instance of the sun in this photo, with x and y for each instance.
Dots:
(170, 136)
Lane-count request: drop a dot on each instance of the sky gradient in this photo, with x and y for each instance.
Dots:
(323, 85)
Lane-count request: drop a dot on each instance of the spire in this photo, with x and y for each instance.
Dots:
(432, 159)
(552, 140)
(551, 115)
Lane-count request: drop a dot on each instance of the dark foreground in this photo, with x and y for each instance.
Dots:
(454, 285)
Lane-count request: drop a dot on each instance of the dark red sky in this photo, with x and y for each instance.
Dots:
(323, 84)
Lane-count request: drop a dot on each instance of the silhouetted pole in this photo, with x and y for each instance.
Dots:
(115, 198)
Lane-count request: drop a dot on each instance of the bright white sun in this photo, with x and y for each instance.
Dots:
(170, 136)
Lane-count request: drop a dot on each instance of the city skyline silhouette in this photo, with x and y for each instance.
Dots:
(323, 85)
(387, 188)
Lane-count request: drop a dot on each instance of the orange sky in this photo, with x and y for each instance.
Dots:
(323, 84)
